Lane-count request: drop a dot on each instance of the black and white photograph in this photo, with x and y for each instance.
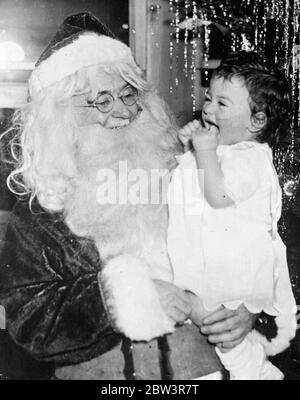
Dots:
(149, 193)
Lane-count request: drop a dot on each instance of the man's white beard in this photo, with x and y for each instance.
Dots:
(136, 229)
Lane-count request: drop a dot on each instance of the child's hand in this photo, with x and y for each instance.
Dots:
(197, 317)
(198, 312)
(185, 133)
(205, 139)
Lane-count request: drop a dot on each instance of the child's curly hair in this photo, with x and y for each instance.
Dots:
(268, 88)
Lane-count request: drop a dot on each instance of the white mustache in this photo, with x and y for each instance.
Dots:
(118, 124)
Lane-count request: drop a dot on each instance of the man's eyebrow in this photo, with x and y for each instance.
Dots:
(109, 91)
(124, 87)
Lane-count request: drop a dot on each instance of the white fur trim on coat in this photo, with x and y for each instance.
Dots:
(87, 50)
(286, 330)
(132, 299)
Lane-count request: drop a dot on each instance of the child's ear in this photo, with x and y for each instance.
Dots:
(258, 122)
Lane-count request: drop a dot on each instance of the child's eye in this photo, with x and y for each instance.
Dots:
(222, 104)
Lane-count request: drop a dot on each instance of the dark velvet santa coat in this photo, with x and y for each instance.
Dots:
(49, 288)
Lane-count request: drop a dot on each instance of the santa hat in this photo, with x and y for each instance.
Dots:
(81, 41)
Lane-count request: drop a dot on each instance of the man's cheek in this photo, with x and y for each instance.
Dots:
(134, 111)
(89, 117)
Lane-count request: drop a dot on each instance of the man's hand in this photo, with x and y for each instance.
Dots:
(175, 301)
(227, 328)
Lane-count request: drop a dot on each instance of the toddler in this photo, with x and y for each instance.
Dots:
(224, 205)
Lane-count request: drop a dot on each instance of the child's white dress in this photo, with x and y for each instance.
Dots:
(234, 255)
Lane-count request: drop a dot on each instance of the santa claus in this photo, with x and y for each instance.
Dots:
(85, 277)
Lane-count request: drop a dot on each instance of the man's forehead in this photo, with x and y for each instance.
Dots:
(110, 81)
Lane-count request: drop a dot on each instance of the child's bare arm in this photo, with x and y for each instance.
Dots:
(205, 144)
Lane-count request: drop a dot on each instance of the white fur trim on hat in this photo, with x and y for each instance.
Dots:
(86, 50)
(132, 299)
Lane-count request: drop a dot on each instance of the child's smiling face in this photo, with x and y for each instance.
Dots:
(227, 107)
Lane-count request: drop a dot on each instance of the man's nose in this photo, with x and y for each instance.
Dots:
(120, 109)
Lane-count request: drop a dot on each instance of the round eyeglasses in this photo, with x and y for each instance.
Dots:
(104, 102)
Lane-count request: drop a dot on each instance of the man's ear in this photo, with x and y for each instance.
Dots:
(258, 122)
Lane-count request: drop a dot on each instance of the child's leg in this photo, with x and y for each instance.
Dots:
(247, 361)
